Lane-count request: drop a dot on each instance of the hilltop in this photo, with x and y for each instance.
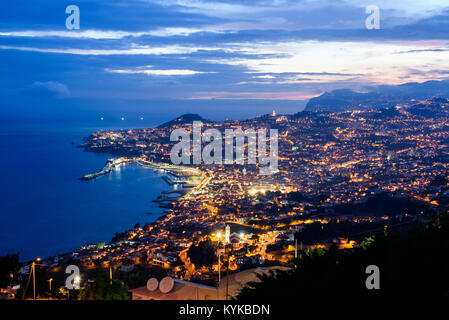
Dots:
(379, 97)
(185, 118)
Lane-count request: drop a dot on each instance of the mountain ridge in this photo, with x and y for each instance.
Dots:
(383, 96)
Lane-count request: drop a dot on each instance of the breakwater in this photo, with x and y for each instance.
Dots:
(108, 167)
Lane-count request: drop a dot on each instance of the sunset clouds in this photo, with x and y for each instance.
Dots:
(233, 50)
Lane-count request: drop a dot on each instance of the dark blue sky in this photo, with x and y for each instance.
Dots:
(233, 59)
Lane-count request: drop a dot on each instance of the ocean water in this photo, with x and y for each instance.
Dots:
(46, 210)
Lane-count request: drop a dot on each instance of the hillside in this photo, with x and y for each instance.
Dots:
(185, 118)
(377, 97)
(411, 265)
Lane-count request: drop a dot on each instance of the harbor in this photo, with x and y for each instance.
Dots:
(110, 165)
(181, 178)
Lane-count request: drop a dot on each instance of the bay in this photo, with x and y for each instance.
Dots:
(46, 210)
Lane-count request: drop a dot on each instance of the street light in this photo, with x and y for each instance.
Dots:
(33, 270)
(49, 283)
(77, 282)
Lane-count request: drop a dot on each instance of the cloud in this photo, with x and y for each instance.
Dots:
(133, 50)
(306, 14)
(326, 61)
(154, 72)
(51, 89)
(105, 34)
(211, 8)
(273, 49)
(414, 9)
(276, 95)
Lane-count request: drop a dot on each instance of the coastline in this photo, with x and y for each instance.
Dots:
(70, 212)
(181, 176)
(166, 204)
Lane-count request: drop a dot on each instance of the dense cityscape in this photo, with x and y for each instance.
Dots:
(326, 161)
(342, 177)
(250, 152)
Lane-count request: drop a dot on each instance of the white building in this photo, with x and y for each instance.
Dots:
(227, 234)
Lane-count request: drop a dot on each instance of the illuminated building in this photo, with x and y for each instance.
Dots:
(227, 234)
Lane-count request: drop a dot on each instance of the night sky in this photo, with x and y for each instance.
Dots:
(219, 58)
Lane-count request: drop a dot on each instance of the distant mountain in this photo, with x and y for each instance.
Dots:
(378, 97)
(185, 118)
(436, 107)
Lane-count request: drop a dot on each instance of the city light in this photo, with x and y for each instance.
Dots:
(202, 177)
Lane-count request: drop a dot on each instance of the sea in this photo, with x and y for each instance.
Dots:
(45, 210)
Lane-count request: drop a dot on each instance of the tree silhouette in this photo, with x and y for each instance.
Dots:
(103, 289)
(202, 254)
(9, 265)
(411, 265)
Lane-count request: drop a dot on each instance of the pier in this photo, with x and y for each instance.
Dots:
(110, 165)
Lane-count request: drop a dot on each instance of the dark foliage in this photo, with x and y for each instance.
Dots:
(411, 265)
(383, 204)
(202, 254)
(102, 289)
(9, 265)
